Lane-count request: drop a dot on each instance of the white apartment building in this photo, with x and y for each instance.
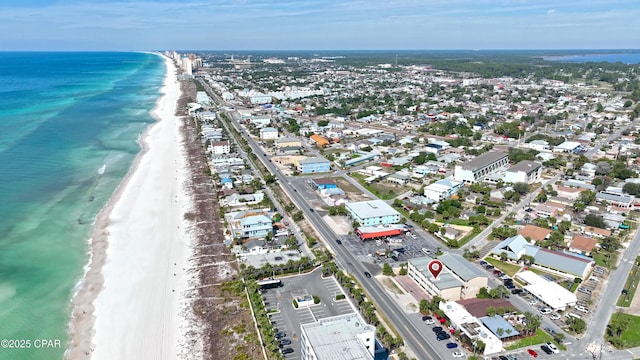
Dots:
(220, 147)
(483, 165)
(268, 133)
(525, 171)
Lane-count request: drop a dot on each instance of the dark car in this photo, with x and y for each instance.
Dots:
(338, 241)
(452, 345)
(284, 342)
(367, 274)
(546, 349)
(443, 336)
(310, 209)
(426, 317)
(483, 263)
(286, 351)
(280, 334)
(489, 267)
(502, 357)
(516, 291)
(510, 286)
(437, 329)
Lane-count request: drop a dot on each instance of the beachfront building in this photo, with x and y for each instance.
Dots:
(458, 279)
(441, 190)
(525, 171)
(202, 98)
(373, 212)
(312, 165)
(477, 169)
(615, 198)
(250, 224)
(219, 147)
(338, 337)
(268, 133)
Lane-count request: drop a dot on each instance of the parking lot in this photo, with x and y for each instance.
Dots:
(288, 319)
(406, 246)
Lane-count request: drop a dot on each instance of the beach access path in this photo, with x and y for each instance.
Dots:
(139, 310)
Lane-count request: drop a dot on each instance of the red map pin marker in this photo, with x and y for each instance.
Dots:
(435, 268)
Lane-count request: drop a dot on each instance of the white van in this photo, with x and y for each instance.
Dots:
(572, 315)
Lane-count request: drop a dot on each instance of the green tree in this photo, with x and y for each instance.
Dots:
(576, 325)
(298, 216)
(387, 270)
(595, 220)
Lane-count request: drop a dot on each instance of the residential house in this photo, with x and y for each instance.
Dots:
(582, 245)
(596, 232)
(535, 233)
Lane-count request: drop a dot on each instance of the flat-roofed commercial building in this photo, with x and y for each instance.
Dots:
(373, 212)
(458, 279)
(483, 165)
(342, 337)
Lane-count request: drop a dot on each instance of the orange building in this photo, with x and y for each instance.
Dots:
(319, 140)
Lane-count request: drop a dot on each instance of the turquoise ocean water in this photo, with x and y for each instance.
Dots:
(64, 117)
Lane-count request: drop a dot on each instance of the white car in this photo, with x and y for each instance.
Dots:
(426, 251)
(582, 308)
(533, 302)
(554, 316)
(545, 310)
(553, 347)
(458, 354)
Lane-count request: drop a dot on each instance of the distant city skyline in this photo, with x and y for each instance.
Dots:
(319, 25)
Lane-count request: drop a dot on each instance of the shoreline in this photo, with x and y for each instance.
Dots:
(137, 235)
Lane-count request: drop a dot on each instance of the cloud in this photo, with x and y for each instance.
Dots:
(551, 12)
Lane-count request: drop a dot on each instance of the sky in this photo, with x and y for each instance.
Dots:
(318, 24)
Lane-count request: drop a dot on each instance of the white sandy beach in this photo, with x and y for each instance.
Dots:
(139, 286)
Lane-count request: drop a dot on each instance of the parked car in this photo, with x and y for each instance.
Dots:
(489, 267)
(286, 351)
(532, 353)
(553, 347)
(582, 308)
(280, 334)
(533, 302)
(517, 291)
(284, 342)
(483, 263)
(554, 316)
(584, 290)
(428, 320)
(443, 336)
(436, 329)
(458, 354)
(546, 349)
(452, 345)
(545, 310)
